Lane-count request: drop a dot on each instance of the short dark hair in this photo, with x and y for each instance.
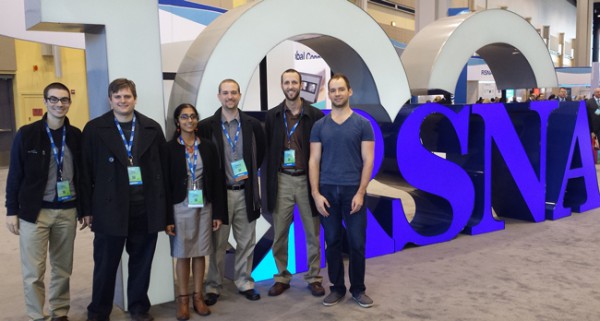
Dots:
(229, 80)
(121, 83)
(56, 85)
(177, 112)
(339, 76)
(292, 70)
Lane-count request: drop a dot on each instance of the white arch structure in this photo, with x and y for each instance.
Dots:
(512, 48)
(347, 38)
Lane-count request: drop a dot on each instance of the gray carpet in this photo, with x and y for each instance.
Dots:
(545, 271)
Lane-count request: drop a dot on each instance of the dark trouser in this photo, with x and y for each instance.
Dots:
(340, 199)
(140, 246)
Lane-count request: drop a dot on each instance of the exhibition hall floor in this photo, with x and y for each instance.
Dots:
(546, 271)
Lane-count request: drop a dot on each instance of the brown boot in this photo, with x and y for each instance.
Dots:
(183, 307)
(199, 306)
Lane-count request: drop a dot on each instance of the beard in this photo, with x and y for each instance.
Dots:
(294, 97)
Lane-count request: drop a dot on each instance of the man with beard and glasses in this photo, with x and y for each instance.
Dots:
(288, 127)
(341, 161)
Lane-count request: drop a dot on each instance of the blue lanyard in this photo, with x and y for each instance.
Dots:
(237, 136)
(291, 132)
(188, 157)
(130, 144)
(58, 155)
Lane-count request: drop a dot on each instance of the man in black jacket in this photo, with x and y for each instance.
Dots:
(125, 198)
(563, 94)
(42, 200)
(240, 143)
(288, 129)
(593, 110)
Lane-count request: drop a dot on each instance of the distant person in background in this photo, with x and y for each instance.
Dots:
(593, 112)
(562, 95)
(42, 203)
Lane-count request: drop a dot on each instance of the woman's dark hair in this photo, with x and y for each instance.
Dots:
(176, 114)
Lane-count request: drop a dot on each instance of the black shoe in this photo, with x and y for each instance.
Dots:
(141, 317)
(211, 298)
(251, 294)
(96, 318)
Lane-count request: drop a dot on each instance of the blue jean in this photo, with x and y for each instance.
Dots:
(340, 201)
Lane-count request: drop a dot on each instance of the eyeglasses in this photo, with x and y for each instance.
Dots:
(64, 100)
(190, 116)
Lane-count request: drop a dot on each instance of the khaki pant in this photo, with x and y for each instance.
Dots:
(293, 190)
(54, 233)
(244, 234)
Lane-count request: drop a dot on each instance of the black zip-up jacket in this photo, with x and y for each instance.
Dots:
(29, 165)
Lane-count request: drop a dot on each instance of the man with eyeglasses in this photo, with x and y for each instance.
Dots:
(124, 198)
(240, 142)
(42, 203)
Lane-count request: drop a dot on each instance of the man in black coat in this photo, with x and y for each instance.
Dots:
(125, 198)
(593, 109)
(288, 127)
(240, 142)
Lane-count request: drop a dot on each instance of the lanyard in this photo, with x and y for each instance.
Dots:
(58, 155)
(291, 132)
(130, 144)
(237, 136)
(188, 157)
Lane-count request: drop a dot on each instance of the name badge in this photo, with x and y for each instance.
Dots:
(63, 190)
(597, 112)
(289, 158)
(135, 175)
(195, 198)
(240, 172)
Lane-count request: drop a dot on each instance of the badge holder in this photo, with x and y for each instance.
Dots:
(289, 158)
(240, 172)
(63, 191)
(135, 174)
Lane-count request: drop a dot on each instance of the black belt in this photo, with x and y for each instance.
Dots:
(292, 172)
(56, 205)
(236, 187)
